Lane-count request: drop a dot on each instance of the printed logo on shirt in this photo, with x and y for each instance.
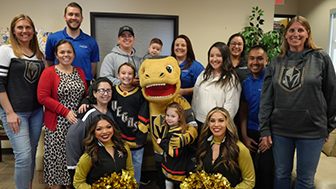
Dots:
(120, 154)
(83, 46)
(158, 128)
(32, 71)
(291, 78)
(123, 116)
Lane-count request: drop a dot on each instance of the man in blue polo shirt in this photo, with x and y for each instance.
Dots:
(248, 114)
(86, 47)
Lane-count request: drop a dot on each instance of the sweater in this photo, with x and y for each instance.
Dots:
(47, 96)
(298, 97)
(112, 61)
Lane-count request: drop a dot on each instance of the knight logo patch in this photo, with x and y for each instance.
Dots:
(32, 71)
(158, 127)
(291, 78)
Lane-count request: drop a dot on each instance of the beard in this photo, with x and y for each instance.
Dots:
(73, 28)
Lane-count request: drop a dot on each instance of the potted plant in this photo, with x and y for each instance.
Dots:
(254, 34)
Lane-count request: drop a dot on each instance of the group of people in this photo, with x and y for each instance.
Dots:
(250, 119)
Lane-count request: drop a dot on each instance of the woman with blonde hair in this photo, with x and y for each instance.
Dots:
(220, 151)
(297, 105)
(21, 65)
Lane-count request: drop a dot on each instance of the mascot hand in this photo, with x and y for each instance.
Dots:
(180, 140)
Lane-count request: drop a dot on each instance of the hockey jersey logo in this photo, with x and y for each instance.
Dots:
(32, 71)
(291, 78)
(158, 128)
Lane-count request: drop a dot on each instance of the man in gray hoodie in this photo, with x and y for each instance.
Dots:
(121, 53)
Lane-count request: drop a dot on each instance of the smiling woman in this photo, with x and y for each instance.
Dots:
(237, 48)
(61, 90)
(21, 65)
(99, 99)
(105, 153)
(220, 151)
(217, 85)
(190, 69)
(289, 81)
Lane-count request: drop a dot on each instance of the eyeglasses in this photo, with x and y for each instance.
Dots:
(234, 44)
(103, 91)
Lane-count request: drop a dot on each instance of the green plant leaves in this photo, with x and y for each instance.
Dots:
(261, 22)
(254, 35)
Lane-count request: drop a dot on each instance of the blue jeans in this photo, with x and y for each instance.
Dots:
(24, 144)
(308, 153)
(137, 156)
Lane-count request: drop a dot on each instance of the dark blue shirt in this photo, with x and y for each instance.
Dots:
(189, 76)
(251, 89)
(86, 49)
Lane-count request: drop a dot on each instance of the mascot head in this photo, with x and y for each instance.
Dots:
(160, 79)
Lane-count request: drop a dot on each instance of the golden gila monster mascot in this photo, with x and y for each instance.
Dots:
(160, 82)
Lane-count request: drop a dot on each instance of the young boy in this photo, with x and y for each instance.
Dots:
(154, 49)
(129, 108)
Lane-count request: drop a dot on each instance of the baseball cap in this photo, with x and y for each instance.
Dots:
(125, 28)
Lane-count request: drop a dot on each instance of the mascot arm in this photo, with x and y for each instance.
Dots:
(143, 124)
(181, 140)
(190, 118)
(167, 148)
(141, 134)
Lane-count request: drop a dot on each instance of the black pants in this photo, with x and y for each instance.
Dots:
(263, 164)
(160, 177)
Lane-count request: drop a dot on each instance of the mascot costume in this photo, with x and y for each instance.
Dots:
(160, 82)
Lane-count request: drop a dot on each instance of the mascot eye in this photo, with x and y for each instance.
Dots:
(169, 68)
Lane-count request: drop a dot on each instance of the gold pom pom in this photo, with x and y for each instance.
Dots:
(123, 180)
(202, 180)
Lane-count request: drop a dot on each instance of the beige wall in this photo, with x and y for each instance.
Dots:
(318, 14)
(289, 7)
(205, 22)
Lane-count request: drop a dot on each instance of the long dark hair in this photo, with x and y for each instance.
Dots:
(91, 142)
(228, 75)
(230, 149)
(190, 52)
(243, 53)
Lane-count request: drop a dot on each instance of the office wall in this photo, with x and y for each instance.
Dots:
(205, 22)
(318, 15)
(290, 7)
